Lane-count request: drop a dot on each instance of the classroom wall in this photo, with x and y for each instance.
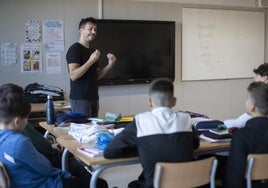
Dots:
(219, 99)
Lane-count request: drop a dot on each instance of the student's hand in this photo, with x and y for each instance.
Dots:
(94, 56)
(232, 129)
(111, 59)
(57, 146)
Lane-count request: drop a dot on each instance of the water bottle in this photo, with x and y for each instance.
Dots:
(50, 110)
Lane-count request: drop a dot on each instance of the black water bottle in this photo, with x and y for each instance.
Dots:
(50, 110)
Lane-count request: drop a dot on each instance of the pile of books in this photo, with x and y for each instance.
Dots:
(216, 135)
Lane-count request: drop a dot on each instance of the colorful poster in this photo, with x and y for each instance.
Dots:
(31, 61)
(33, 31)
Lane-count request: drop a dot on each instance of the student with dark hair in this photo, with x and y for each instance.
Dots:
(157, 135)
(25, 165)
(253, 138)
(84, 70)
(261, 75)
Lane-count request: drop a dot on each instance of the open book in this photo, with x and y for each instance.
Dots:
(90, 151)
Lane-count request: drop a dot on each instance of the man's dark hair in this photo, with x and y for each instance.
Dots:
(161, 91)
(259, 94)
(13, 103)
(262, 70)
(84, 21)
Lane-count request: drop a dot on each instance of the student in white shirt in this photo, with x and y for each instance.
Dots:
(261, 75)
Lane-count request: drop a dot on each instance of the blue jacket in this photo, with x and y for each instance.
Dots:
(25, 165)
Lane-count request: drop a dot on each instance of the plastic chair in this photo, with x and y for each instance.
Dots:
(4, 178)
(257, 168)
(185, 174)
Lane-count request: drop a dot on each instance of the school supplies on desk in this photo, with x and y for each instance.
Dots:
(213, 140)
(202, 124)
(126, 119)
(86, 132)
(219, 133)
(103, 140)
(90, 151)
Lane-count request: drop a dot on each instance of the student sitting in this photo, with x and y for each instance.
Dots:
(261, 75)
(253, 138)
(52, 152)
(25, 165)
(158, 135)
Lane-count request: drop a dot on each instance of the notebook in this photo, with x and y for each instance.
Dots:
(90, 151)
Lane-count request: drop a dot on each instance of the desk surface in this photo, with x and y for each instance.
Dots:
(41, 107)
(71, 144)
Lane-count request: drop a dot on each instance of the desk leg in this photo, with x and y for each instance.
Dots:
(101, 168)
(64, 160)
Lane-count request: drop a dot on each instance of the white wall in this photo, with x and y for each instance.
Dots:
(217, 98)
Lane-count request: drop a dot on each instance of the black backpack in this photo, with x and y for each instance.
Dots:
(37, 93)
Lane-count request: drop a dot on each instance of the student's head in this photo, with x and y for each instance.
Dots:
(14, 108)
(88, 28)
(261, 73)
(161, 93)
(9, 87)
(257, 100)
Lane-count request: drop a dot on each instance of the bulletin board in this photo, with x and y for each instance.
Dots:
(221, 44)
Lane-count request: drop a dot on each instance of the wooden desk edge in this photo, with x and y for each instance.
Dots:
(41, 107)
(72, 145)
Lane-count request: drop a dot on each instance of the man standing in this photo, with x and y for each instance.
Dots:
(84, 70)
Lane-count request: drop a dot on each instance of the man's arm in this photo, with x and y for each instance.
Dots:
(124, 144)
(76, 71)
(105, 70)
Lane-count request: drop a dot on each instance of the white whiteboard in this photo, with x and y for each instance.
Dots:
(221, 44)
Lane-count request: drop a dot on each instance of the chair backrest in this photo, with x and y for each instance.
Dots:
(257, 168)
(185, 174)
(4, 178)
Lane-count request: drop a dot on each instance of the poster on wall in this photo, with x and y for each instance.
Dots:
(9, 53)
(53, 37)
(33, 31)
(53, 63)
(31, 59)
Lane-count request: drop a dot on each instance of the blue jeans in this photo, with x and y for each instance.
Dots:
(89, 107)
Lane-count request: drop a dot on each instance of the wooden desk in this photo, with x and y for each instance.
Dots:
(38, 112)
(41, 107)
(71, 145)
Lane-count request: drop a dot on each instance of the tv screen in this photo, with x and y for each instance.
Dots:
(145, 50)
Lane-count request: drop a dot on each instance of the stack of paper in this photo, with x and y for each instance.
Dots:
(202, 136)
(90, 151)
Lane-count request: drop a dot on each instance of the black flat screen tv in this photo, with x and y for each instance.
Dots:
(144, 49)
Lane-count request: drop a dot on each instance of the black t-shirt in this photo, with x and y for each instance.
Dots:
(86, 87)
